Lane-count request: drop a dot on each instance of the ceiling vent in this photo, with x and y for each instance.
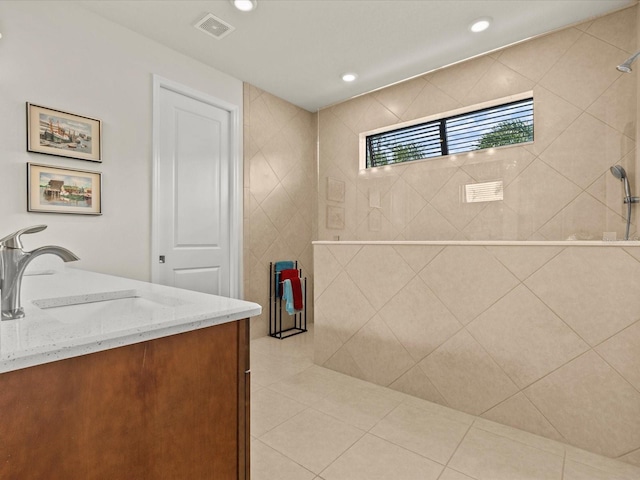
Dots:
(214, 26)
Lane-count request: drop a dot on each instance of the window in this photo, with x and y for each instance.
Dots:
(498, 125)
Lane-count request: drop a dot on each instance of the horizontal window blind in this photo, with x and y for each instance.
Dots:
(506, 124)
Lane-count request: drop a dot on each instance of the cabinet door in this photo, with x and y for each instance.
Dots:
(192, 407)
(169, 408)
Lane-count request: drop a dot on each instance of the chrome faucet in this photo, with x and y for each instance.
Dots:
(14, 262)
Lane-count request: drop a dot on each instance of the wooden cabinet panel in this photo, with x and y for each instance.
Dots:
(169, 408)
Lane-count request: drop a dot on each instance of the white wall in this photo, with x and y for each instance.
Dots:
(61, 56)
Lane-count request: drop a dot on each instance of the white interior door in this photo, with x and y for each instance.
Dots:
(192, 198)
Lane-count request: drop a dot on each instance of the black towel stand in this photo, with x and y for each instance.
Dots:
(276, 329)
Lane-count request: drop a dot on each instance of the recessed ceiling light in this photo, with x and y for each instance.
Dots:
(349, 77)
(245, 5)
(480, 25)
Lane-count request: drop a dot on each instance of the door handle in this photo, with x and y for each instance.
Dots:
(161, 259)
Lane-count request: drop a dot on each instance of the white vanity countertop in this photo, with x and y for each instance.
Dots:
(60, 324)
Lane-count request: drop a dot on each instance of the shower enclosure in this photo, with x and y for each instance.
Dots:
(522, 308)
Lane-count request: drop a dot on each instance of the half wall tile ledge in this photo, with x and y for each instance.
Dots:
(499, 243)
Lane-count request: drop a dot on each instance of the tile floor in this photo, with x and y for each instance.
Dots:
(311, 423)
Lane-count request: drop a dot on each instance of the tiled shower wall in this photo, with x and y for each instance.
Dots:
(279, 194)
(542, 338)
(557, 188)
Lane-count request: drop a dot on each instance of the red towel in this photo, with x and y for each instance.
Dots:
(296, 287)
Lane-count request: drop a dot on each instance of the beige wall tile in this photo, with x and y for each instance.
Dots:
(428, 178)
(376, 116)
(344, 307)
(612, 107)
(524, 337)
(261, 177)
(568, 70)
(538, 194)
(401, 204)
(622, 352)
(430, 101)
(619, 29)
(398, 98)
(352, 111)
(417, 384)
(595, 305)
(264, 126)
(449, 201)
(586, 149)
(330, 268)
(467, 280)
(578, 401)
(441, 410)
(342, 361)
(418, 257)
(279, 172)
(610, 191)
(458, 80)
(497, 222)
(498, 164)
(523, 260)
(466, 376)
(381, 262)
(499, 81)
(344, 253)
(584, 72)
(278, 207)
(420, 321)
(298, 238)
(520, 436)
(378, 354)
(262, 233)
(534, 58)
(326, 340)
(584, 219)
(553, 115)
(518, 412)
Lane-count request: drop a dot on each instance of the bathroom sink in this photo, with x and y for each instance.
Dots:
(114, 307)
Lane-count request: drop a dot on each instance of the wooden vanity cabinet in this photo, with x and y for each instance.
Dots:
(172, 408)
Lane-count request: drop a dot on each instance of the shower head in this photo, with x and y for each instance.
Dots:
(619, 172)
(626, 66)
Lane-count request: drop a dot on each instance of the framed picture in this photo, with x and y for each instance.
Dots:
(63, 134)
(63, 190)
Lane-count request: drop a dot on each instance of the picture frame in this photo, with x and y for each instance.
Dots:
(52, 189)
(63, 134)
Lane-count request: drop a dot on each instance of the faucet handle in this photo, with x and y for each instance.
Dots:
(13, 240)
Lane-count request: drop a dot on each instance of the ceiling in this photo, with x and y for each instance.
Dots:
(299, 49)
